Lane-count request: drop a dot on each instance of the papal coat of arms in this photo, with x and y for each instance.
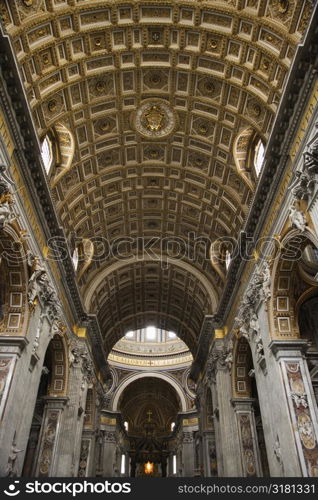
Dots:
(154, 118)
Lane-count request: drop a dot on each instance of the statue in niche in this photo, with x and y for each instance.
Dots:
(38, 278)
(259, 349)
(6, 201)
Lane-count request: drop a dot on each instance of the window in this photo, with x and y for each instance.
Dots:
(126, 425)
(174, 464)
(171, 335)
(129, 335)
(151, 332)
(75, 258)
(173, 424)
(259, 157)
(227, 259)
(46, 154)
(123, 464)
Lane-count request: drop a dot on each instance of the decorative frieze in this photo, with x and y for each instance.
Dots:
(303, 415)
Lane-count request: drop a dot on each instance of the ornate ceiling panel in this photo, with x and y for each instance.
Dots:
(148, 105)
(134, 296)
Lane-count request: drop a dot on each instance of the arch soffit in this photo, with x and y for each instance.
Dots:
(131, 378)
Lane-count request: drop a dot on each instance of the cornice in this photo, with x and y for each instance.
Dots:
(14, 102)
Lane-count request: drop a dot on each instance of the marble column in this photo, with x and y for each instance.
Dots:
(188, 454)
(228, 449)
(301, 421)
(249, 450)
(50, 436)
(70, 445)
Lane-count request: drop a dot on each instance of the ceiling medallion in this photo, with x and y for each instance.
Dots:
(154, 119)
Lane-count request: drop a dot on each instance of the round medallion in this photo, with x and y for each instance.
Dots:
(154, 119)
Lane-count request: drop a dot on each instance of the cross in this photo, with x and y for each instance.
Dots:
(149, 413)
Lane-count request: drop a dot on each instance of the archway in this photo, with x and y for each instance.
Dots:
(44, 427)
(150, 405)
(248, 413)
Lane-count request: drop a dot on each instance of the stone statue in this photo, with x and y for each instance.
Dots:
(266, 285)
(6, 213)
(278, 453)
(6, 201)
(228, 361)
(259, 349)
(254, 325)
(38, 279)
(12, 459)
(297, 219)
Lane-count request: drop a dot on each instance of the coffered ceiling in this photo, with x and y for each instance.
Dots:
(153, 109)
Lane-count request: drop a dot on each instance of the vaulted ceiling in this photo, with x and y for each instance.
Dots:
(149, 402)
(153, 109)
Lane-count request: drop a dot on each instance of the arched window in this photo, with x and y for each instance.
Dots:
(123, 464)
(46, 154)
(173, 424)
(174, 464)
(126, 425)
(259, 157)
(151, 332)
(171, 335)
(227, 259)
(75, 258)
(129, 335)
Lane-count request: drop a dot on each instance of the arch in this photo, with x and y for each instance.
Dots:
(282, 305)
(242, 363)
(59, 376)
(100, 277)
(63, 140)
(131, 378)
(14, 311)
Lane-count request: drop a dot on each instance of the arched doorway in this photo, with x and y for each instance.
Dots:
(43, 435)
(308, 327)
(150, 405)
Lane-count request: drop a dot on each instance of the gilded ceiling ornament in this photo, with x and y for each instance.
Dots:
(203, 128)
(155, 119)
(212, 44)
(282, 6)
(52, 105)
(105, 125)
(100, 86)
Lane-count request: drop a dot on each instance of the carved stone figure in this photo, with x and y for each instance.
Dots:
(297, 219)
(12, 459)
(300, 399)
(278, 453)
(6, 201)
(259, 349)
(305, 180)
